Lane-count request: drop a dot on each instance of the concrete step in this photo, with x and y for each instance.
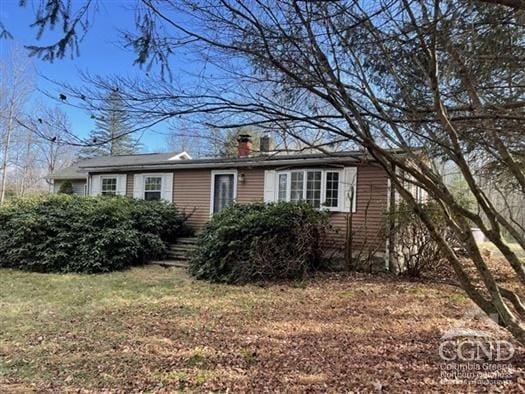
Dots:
(181, 247)
(178, 256)
(189, 240)
(180, 250)
(170, 263)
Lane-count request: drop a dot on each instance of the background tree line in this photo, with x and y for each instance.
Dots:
(37, 139)
(26, 157)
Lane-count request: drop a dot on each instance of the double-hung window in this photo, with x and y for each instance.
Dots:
(297, 186)
(319, 187)
(152, 188)
(332, 191)
(283, 190)
(108, 186)
(313, 188)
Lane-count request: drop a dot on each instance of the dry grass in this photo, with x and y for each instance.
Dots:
(155, 329)
(513, 246)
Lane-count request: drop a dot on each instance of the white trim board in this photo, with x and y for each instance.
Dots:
(166, 185)
(212, 194)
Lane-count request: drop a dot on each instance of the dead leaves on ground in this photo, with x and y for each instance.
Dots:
(339, 333)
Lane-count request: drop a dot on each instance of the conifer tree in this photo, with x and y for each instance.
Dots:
(111, 135)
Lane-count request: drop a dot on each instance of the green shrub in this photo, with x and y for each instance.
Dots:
(63, 233)
(260, 242)
(66, 187)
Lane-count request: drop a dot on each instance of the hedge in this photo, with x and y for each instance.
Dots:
(260, 241)
(66, 187)
(63, 233)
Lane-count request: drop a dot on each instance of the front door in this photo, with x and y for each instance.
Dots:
(223, 191)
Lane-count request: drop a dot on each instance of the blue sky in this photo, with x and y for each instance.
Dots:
(100, 53)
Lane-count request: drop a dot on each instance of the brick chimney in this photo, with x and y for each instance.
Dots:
(244, 147)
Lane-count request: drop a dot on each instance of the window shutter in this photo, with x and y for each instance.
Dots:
(121, 185)
(96, 184)
(349, 188)
(269, 186)
(167, 187)
(424, 195)
(138, 187)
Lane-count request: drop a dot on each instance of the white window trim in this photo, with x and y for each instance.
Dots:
(139, 184)
(102, 178)
(341, 188)
(288, 185)
(157, 175)
(212, 191)
(95, 183)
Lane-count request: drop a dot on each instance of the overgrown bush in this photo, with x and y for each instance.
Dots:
(66, 187)
(63, 233)
(260, 241)
(416, 251)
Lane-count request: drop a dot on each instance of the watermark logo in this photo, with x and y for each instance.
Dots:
(475, 357)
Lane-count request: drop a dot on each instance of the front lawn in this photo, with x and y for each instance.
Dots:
(156, 329)
(513, 246)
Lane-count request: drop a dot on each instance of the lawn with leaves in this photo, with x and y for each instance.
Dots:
(155, 329)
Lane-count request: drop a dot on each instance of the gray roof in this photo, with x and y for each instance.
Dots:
(72, 172)
(126, 160)
(78, 170)
(161, 161)
(269, 160)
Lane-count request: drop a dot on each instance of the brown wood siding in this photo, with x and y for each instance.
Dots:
(371, 204)
(368, 220)
(191, 193)
(252, 189)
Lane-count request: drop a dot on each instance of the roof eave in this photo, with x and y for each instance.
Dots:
(67, 178)
(188, 165)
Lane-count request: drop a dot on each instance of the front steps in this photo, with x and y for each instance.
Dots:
(178, 253)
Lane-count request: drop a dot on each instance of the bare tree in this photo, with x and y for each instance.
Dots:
(26, 172)
(53, 151)
(15, 86)
(406, 80)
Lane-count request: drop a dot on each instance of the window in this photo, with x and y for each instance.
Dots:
(296, 188)
(313, 188)
(283, 187)
(332, 189)
(109, 186)
(321, 188)
(152, 188)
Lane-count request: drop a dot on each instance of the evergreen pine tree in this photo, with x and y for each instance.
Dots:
(112, 127)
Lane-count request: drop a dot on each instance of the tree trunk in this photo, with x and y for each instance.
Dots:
(6, 156)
